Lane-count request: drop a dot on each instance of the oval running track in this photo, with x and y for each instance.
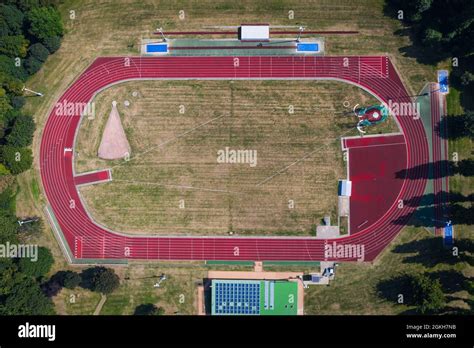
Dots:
(87, 240)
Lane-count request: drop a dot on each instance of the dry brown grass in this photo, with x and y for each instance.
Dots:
(174, 155)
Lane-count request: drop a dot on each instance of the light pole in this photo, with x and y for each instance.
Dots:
(301, 29)
(160, 30)
(31, 91)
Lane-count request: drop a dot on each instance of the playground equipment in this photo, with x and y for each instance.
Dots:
(371, 116)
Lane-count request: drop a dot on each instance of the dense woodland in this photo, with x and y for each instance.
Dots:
(30, 30)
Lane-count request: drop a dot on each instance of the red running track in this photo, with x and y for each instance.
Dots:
(87, 240)
(93, 177)
(373, 162)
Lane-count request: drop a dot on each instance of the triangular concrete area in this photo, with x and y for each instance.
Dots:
(114, 143)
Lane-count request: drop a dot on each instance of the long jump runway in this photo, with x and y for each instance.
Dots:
(85, 241)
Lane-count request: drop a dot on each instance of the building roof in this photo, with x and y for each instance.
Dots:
(255, 32)
(254, 297)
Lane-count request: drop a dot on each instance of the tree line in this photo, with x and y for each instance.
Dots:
(440, 30)
(30, 30)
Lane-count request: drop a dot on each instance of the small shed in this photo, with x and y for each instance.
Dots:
(345, 188)
(254, 32)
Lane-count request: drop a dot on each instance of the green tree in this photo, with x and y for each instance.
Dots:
(11, 20)
(148, 309)
(25, 5)
(8, 272)
(467, 77)
(427, 294)
(44, 22)
(26, 298)
(13, 46)
(17, 159)
(4, 102)
(432, 37)
(7, 199)
(100, 279)
(22, 131)
(8, 227)
(8, 67)
(67, 279)
(37, 268)
(12, 85)
(417, 7)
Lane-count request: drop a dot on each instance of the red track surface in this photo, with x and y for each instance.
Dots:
(375, 74)
(92, 178)
(372, 164)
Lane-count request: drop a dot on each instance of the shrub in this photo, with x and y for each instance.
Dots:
(32, 65)
(39, 52)
(18, 101)
(52, 43)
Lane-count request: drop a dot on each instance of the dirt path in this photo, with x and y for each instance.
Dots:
(100, 304)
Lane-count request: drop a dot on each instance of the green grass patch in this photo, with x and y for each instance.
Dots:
(35, 191)
(453, 100)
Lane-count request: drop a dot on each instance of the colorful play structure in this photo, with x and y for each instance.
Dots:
(371, 116)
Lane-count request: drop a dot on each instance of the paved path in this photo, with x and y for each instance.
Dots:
(101, 303)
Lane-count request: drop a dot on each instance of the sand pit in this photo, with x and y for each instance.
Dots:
(114, 143)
